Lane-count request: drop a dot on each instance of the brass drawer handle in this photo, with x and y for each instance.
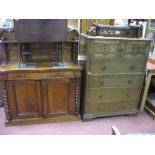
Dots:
(99, 108)
(103, 68)
(126, 94)
(132, 67)
(102, 82)
(100, 97)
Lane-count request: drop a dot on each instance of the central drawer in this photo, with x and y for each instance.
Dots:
(42, 75)
(110, 106)
(96, 81)
(103, 94)
(117, 66)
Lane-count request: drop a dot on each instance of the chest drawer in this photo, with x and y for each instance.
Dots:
(117, 49)
(96, 81)
(104, 94)
(110, 106)
(117, 66)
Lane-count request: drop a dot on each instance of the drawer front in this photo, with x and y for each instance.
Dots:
(117, 66)
(47, 75)
(103, 49)
(118, 49)
(96, 81)
(104, 94)
(110, 106)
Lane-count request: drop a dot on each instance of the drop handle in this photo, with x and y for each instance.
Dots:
(99, 108)
(102, 82)
(103, 68)
(132, 67)
(126, 94)
(100, 97)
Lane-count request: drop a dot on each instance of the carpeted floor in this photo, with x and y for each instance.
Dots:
(140, 123)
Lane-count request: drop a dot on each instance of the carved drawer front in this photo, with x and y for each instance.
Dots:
(97, 81)
(104, 94)
(117, 66)
(103, 49)
(110, 106)
(119, 49)
(135, 49)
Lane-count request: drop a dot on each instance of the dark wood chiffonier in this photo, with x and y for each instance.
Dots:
(113, 74)
(39, 84)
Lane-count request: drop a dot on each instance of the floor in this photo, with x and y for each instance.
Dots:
(126, 124)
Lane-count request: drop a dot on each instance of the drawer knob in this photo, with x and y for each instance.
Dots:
(127, 94)
(99, 108)
(100, 97)
(132, 67)
(103, 68)
(129, 81)
(102, 82)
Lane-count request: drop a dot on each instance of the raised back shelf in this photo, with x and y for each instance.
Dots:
(40, 40)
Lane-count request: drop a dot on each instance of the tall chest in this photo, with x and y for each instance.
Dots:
(113, 75)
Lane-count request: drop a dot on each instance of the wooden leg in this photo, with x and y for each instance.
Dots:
(132, 114)
(87, 119)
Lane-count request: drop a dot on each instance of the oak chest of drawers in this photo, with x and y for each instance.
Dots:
(113, 75)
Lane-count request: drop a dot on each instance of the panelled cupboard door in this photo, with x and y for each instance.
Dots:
(58, 97)
(25, 99)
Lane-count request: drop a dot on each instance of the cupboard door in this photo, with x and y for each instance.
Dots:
(58, 97)
(24, 98)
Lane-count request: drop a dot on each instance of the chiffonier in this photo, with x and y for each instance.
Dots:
(39, 84)
(113, 74)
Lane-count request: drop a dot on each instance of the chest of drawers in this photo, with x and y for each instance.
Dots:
(113, 75)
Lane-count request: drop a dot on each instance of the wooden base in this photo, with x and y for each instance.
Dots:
(150, 112)
(88, 117)
(42, 120)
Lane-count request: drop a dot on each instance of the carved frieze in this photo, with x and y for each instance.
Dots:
(117, 50)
